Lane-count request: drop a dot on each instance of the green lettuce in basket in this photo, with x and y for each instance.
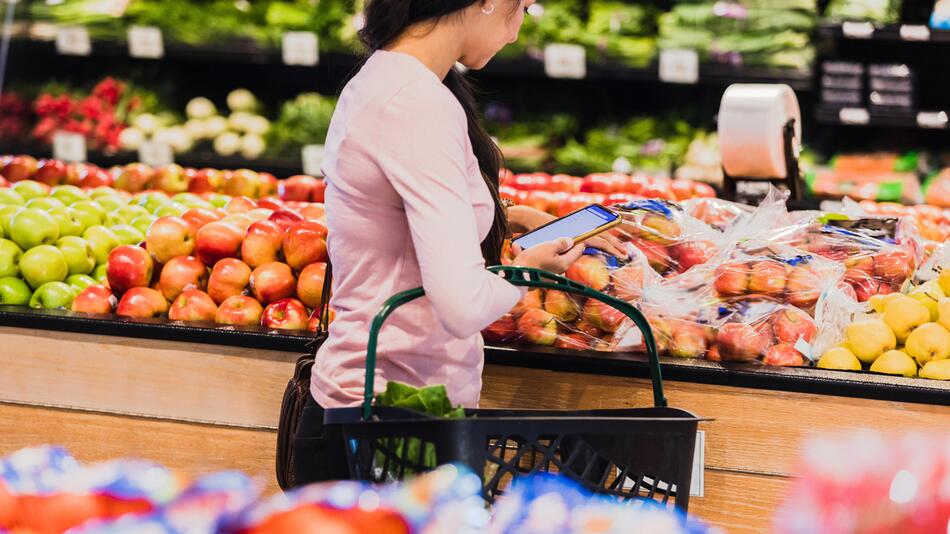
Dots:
(431, 400)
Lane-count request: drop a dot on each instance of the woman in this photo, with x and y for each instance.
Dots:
(412, 200)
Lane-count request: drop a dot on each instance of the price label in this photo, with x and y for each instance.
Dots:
(301, 48)
(69, 146)
(915, 32)
(146, 42)
(73, 41)
(312, 159)
(859, 116)
(565, 61)
(679, 66)
(932, 119)
(156, 154)
(857, 30)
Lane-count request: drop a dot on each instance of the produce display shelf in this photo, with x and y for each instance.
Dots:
(631, 364)
(885, 32)
(505, 67)
(876, 119)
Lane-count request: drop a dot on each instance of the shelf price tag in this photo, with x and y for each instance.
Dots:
(312, 156)
(156, 154)
(915, 32)
(857, 30)
(73, 41)
(69, 146)
(565, 61)
(146, 42)
(859, 116)
(936, 120)
(301, 48)
(679, 66)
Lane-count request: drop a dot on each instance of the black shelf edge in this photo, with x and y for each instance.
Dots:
(518, 67)
(815, 381)
(876, 119)
(885, 33)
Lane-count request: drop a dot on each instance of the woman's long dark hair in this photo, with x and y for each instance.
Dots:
(388, 19)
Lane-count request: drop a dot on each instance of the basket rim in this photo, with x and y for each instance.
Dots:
(353, 415)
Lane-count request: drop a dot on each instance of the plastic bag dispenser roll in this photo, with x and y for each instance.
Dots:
(752, 120)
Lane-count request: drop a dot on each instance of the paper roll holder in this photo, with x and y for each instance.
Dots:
(792, 179)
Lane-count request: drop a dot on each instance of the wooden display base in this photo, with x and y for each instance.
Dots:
(201, 408)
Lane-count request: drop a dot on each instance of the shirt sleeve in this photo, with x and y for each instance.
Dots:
(422, 151)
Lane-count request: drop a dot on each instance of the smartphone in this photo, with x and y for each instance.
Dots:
(579, 226)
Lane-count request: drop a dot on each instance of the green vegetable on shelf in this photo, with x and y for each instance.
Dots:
(302, 121)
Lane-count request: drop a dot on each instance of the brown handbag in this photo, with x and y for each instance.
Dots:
(297, 392)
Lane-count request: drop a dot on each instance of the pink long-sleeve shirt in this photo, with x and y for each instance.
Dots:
(406, 207)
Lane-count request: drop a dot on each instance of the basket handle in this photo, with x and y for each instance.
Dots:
(525, 277)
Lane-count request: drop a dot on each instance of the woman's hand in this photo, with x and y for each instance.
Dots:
(609, 244)
(553, 256)
(525, 218)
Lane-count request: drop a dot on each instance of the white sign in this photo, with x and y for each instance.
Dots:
(146, 42)
(857, 30)
(156, 154)
(622, 165)
(854, 116)
(312, 159)
(73, 41)
(301, 48)
(915, 32)
(69, 146)
(679, 66)
(932, 119)
(698, 480)
(565, 61)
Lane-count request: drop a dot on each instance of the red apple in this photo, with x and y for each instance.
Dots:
(206, 181)
(239, 310)
(133, 178)
(768, 278)
(687, 254)
(866, 288)
(298, 187)
(712, 354)
(141, 302)
(561, 305)
(314, 323)
(502, 330)
(590, 270)
(532, 299)
(792, 324)
(538, 327)
(50, 172)
(584, 327)
(802, 287)
(741, 342)
(305, 243)
(285, 218)
(129, 266)
(319, 191)
(783, 354)
(286, 314)
(240, 205)
(198, 217)
(96, 177)
(656, 227)
(268, 185)
(218, 240)
(272, 281)
(657, 254)
(182, 273)
(603, 316)
(243, 183)
(627, 282)
(572, 342)
(169, 237)
(860, 263)
(687, 341)
(193, 305)
(893, 267)
(170, 179)
(20, 168)
(702, 190)
(310, 284)
(262, 243)
(241, 220)
(313, 211)
(732, 279)
(95, 299)
(229, 277)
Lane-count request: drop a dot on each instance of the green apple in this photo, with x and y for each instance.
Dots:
(191, 200)
(102, 240)
(44, 203)
(10, 255)
(69, 221)
(112, 219)
(172, 209)
(9, 197)
(80, 281)
(68, 194)
(6, 213)
(41, 264)
(31, 227)
(104, 191)
(91, 213)
(151, 201)
(110, 203)
(142, 223)
(100, 275)
(218, 200)
(52, 295)
(78, 254)
(138, 211)
(14, 291)
(29, 189)
(126, 214)
(128, 234)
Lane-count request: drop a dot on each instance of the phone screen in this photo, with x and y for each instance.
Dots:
(573, 225)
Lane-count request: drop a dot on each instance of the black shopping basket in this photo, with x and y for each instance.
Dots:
(638, 453)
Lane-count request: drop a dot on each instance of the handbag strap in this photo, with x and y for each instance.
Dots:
(324, 324)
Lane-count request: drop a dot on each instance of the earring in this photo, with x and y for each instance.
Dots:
(490, 10)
